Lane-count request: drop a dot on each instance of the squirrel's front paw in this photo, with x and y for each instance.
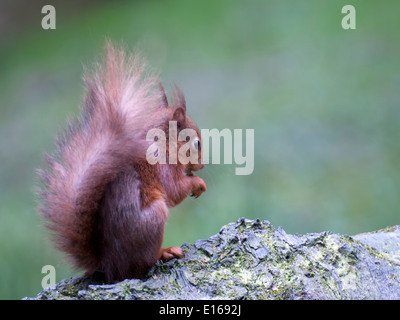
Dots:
(199, 188)
(170, 253)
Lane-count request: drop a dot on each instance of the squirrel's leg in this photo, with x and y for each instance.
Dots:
(159, 209)
(132, 233)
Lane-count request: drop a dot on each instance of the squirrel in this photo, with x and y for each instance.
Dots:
(104, 203)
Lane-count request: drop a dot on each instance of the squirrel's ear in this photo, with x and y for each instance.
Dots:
(179, 98)
(179, 116)
(164, 100)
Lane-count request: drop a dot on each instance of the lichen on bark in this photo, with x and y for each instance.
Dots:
(250, 259)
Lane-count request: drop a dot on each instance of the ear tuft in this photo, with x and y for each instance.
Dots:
(179, 98)
(164, 100)
(180, 117)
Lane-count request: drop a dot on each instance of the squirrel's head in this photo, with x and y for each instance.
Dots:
(181, 129)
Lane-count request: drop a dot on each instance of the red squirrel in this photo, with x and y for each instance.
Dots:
(106, 205)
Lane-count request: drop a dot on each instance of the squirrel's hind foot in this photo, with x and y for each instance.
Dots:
(170, 253)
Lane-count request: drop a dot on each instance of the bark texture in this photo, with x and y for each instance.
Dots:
(250, 259)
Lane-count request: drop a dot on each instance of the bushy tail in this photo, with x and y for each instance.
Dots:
(106, 139)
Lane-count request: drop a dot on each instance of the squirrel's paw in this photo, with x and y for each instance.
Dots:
(199, 189)
(170, 253)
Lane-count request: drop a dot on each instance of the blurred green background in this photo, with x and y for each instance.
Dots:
(324, 103)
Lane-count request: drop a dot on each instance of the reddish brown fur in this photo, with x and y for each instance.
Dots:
(106, 205)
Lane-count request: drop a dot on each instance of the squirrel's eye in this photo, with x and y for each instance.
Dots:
(196, 144)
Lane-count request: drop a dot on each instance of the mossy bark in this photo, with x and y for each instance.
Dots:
(250, 259)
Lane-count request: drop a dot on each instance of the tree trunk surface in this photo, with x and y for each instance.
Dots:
(250, 259)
